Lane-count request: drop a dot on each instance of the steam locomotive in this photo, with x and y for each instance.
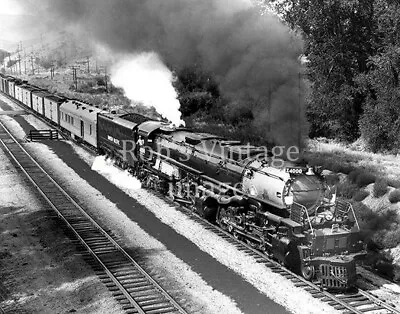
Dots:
(285, 209)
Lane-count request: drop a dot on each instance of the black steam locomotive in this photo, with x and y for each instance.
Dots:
(276, 206)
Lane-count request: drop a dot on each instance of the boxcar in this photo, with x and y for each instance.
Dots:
(18, 92)
(52, 105)
(11, 86)
(115, 134)
(80, 120)
(38, 101)
(3, 82)
(6, 84)
(27, 94)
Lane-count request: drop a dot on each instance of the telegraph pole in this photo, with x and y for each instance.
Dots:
(74, 76)
(88, 64)
(33, 68)
(9, 62)
(19, 63)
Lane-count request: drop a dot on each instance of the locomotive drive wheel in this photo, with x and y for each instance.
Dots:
(308, 272)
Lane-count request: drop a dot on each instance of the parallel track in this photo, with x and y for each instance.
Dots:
(136, 290)
(358, 301)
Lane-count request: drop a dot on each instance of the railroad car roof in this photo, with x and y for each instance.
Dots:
(116, 119)
(40, 93)
(81, 109)
(54, 97)
(31, 88)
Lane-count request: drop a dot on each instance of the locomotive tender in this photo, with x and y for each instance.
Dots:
(283, 209)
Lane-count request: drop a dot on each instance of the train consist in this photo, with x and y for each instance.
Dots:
(287, 211)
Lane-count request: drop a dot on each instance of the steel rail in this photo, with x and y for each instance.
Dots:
(80, 223)
(343, 300)
(340, 301)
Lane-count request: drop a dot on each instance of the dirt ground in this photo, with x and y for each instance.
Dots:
(40, 269)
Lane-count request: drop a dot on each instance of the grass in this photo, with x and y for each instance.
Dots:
(343, 158)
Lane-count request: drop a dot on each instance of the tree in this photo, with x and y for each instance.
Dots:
(339, 37)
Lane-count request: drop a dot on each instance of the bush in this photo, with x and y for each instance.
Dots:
(100, 81)
(332, 179)
(360, 195)
(394, 196)
(346, 189)
(341, 167)
(353, 175)
(380, 187)
(365, 178)
(391, 238)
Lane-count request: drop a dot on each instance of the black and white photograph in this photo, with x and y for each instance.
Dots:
(199, 156)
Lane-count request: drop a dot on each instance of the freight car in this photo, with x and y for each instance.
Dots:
(52, 105)
(284, 209)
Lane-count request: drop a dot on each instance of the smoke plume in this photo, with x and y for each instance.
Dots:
(253, 57)
(146, 79)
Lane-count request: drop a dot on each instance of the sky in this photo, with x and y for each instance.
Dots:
(10, 7)
(16, 24)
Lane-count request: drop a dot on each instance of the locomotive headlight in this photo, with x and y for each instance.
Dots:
(289, 200)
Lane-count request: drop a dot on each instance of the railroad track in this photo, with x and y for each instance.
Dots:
(131, 286)
(358, 301)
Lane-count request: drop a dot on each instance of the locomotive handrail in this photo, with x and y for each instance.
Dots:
(303, 208)
(355, 217)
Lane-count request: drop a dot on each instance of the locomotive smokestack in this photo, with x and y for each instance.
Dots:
(252, 56)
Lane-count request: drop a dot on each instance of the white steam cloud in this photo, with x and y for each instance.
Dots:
(145, 78)
(118, 177)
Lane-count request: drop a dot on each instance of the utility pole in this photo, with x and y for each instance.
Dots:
(88, 64)
(74, 76)
(25, 65)
(33, 68)
(19, 63)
